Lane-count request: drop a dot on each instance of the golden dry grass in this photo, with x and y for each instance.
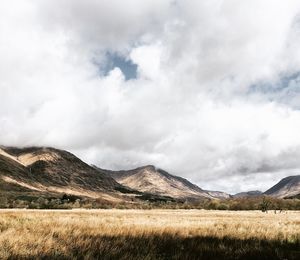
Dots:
(148, 234)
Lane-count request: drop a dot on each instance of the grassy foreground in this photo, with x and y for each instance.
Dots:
(149, 234)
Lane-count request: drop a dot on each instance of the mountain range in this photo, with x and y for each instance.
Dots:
(41, 171)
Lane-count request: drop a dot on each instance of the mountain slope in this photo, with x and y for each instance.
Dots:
(247, 194)
(53, 170)
(287, 187)
(16, 182)
(218, 194)
(156, 181)
(12, 173)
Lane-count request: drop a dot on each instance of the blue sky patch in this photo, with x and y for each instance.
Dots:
(128, 68)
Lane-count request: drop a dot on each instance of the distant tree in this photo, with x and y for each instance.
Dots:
(265, 205)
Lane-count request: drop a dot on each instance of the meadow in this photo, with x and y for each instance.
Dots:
(149, 234)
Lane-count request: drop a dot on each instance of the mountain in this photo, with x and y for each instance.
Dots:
(253, 193)
(49, 170)
(150, 179)
(287, 187)
(218, 194)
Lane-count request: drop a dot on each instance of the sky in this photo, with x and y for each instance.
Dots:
(207, 90)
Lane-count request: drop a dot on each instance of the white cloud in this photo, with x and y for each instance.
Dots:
(148, 58)
(192, 109)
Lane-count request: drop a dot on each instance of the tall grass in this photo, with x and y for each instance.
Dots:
(149, 234)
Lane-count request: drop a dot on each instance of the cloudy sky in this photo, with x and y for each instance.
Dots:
(208, 90)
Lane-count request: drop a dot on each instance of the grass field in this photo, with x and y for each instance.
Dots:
(149, 234)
